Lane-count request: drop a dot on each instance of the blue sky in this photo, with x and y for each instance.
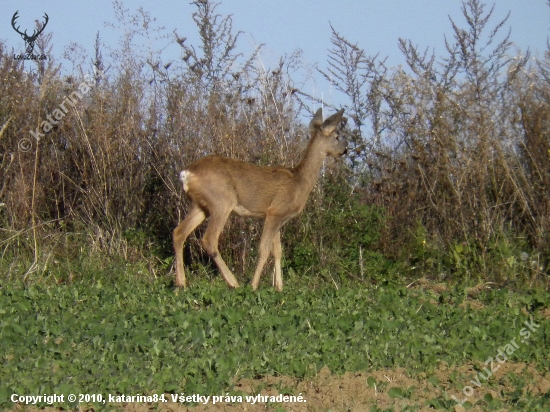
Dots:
(283, 25)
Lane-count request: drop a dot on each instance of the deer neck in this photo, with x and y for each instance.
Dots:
(307, 171)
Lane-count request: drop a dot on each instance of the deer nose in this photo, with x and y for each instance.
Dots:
(344, 145)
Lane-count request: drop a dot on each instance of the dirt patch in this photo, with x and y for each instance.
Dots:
(426, 284)
(438, 288)
(359, 392)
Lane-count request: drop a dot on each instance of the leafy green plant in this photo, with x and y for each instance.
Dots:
(340, 239)
(114, 334)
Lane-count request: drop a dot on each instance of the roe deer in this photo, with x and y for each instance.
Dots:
(219, 185)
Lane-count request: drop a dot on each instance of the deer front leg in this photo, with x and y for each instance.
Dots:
(271, 228)
(277, 254)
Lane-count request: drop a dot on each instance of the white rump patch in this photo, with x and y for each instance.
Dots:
(184, 178)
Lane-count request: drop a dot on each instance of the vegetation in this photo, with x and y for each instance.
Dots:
(447, 180)
(115, 334)
(451, 153)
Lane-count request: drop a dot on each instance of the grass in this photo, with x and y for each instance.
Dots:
(126, 335)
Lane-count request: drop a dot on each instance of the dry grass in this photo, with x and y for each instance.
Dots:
(449, 163)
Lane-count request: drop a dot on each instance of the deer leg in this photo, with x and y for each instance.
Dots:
(277, 254)
(271, 227)
(210, 244)
(184, 229)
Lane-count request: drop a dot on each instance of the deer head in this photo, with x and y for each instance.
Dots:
(325, 133)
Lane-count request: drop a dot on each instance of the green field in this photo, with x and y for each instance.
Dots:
(417, 277)
(125, 336)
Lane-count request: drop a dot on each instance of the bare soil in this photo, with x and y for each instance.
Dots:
(352, 392)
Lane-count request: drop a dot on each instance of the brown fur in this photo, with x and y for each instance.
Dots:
(219, 186)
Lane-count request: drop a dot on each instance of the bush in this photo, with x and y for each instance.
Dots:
(338, 235)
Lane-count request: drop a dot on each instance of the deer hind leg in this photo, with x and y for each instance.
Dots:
(271, 228)
(277, 254)
(210, 244)
(184, 229)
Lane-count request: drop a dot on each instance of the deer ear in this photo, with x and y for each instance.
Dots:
(332, 122)
(317, 120)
